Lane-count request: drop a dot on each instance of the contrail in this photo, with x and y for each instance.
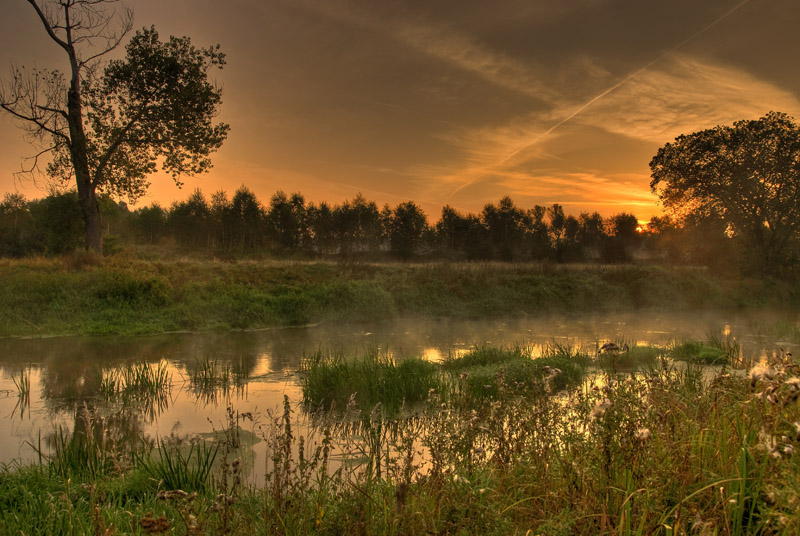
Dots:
(611, 89)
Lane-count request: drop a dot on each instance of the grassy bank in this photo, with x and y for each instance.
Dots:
(666, 451)
(76, 295)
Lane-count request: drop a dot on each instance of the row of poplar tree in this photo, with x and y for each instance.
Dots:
(289, 225)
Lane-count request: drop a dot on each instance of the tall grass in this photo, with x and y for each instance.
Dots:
(143, 384)
(330, 380)
(712, 351)
(180, 466)
(129, 296)
(210, 379)
(663, 451)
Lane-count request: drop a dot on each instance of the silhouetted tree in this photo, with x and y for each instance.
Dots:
(150, 223)
(286, 219)
(406, 229)
(247, 218)
(623, 238)
(57, 221)
(538, 237)
(506, 224)
(592, 234)
(557, 220)
(451, 229)
(107, 128)
(16, 226)
(747, 175)
(321, 228)
(358, 226)
(188, 221)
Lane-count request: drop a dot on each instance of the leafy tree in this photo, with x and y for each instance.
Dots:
(221, 220)
(592, 234)
(477, 240)
(321, 228)
(150, 223)
(189, 220)
(506, 224)
(623, 237)
(537, 236)
(747, 176)
(247, 217)
(108, 126)
(557, 221)
(358, 225)
(451, 229)
(286, 218)
(408, 224)
(16, 226)
(57, 220)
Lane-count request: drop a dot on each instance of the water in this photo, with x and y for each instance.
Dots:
(65, 372)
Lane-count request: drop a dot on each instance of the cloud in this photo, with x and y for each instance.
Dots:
(683, 95)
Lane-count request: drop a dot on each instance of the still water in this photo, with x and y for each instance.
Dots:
(65, 372)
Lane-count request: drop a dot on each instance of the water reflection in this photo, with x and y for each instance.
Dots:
(253, 370)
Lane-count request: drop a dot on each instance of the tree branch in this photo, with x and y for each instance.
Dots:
(48, 27)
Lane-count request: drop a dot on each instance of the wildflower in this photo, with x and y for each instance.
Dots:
(600, 408)
(762, 371)
(788, 450)
(642, 434)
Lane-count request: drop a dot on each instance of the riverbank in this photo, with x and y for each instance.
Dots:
(79, 295)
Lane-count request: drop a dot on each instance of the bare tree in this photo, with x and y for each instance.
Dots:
(108, 122)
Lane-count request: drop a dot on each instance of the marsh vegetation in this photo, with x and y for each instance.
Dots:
(682, 435)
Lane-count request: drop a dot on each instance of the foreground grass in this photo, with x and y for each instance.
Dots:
(661, 452)
(77, 295)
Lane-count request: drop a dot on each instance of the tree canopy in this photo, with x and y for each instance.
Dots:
(109, 125)
(747, 176)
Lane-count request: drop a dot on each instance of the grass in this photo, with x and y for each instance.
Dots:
(630, 359)
(210, 379)
(664, 451)
(180, 467)
(712, 351)
(331, 381)
(336, 381)
(133, 296)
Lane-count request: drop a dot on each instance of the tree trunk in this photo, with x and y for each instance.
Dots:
(93, 223)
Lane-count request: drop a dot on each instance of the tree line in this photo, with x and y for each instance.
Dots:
(226, 226)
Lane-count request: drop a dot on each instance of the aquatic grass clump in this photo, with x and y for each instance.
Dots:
(209, 378)
(481, 356)
(699, 352)
(627, 356)
(144, 384)
(136, 380)
(329, 381)
(495, 373)
(180, 466)
(88, 452)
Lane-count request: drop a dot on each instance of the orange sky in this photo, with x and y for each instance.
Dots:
(458, 102)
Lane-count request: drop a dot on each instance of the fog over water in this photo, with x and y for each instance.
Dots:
(65, 372)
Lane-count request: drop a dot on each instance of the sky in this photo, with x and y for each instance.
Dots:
(456, 102)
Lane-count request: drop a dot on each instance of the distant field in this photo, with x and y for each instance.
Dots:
(75, 295)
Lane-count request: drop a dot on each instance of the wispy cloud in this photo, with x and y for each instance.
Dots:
(684, 95)
(670, 94)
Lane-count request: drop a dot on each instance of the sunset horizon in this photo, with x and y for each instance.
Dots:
(454, 105)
